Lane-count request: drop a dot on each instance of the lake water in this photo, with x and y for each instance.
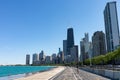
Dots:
(12, 72)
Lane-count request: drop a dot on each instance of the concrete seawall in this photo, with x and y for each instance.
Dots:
(106, 73)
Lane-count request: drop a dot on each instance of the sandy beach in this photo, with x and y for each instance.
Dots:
(43, 75)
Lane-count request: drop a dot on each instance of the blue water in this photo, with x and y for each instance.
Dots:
(14, 70)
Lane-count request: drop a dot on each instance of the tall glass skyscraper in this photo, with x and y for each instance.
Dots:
(70, 40)
(111, 26)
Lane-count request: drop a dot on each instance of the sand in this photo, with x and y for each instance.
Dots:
(43, 75)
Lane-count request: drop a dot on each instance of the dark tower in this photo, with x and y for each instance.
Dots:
(98, 42)
(70, 40)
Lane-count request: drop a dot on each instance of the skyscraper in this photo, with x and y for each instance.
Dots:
(54, 58)
(84, 47)
(41, 56)
(98, 41)
(111, 26)
(65, 49)
(48, 60)
(35, 58)
(70, 40)
(82, 51)
(74, 53)
(60, 56)
(27, 59)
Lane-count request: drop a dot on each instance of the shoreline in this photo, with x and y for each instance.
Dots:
(22, 75)
(43, 75)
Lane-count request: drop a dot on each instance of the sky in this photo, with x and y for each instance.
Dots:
(29, 26)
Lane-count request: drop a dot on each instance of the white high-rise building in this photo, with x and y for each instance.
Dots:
(111, 26)
(84, 47)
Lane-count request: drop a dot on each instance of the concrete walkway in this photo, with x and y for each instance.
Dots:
(64, 73)
(44, 75)
(68, 74)
(71, 73)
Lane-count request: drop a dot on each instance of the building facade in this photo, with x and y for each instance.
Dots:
(35, 59)
(84, 47)
(27, 59)
(42, 57)
(98, 42)
(111, 26)
(65, 49)
(70, 40)
(54, 58)
(60, 56)
(74, 53)
(48, 60)
(82, 51)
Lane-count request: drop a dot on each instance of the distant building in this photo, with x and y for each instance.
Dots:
(63, 58)
(65, 49)
(54, 58)
(74, 53)
(60, 57)
(82, 51)
(98, 41)
(42, 57)
(84, 47)
(86, 42)
(68, 59)
(68, 44)
(27, 59)
(70, 40)
(111, 26)
(35, 59)
(48, 60)
(90, 51)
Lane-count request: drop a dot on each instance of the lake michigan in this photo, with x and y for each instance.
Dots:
(13, 72)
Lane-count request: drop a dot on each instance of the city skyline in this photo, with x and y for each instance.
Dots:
(29, 27)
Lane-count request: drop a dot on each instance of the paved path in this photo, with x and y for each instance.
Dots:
(67, 74)
(71, 73)
(44, 75)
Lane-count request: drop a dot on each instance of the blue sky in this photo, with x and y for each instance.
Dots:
(29, 26)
